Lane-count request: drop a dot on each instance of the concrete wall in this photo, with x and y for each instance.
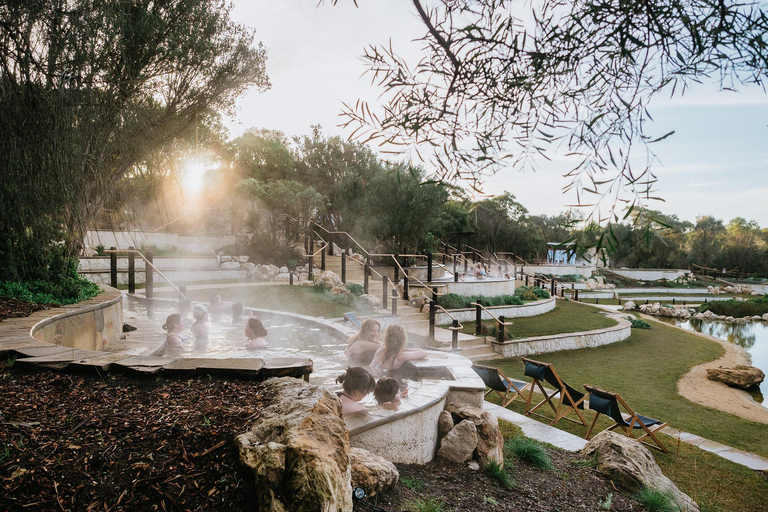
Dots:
(567, 341)
(177, 277)
(650, 274)
(560, 270)
(624, 291)
(485, 287)
(206, 243)
(468, 314)
(94, 324)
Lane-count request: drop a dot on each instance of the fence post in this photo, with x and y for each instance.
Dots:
(290, 278)
(394, 302)
(344, 267)
(465, 264)
(113, 267)
(455, 335)
(384, 293)
(131, 271)
(429, 267)
(673, 301)
(478, 319)
(397, 269)
(552, 287)
(455, 271)
(330, 244)
(500, 337)
(366, 271)
(432, 315)
(526, 279)
(149, 276)
(576, 295)
(405, 284)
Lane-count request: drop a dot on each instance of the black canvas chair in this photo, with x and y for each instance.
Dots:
(567, 398)
(611, 404)
(507, 389)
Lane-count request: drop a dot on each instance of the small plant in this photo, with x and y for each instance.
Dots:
(490, 500)
(530, 451)
(655, 500)
(606, 504)
(425, 505)
(587, 463)
(413, 484)
(206, 421)
(355, 289)
(498, 473)
(100, 250)
(639, 323)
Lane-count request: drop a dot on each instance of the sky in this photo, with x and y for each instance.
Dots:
(715, 164)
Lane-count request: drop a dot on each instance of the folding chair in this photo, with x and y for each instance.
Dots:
(354, 319)
(568, 399)
(609, 404)
(507, 389)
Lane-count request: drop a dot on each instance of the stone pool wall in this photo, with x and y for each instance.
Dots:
(566, 341)
(94, 324)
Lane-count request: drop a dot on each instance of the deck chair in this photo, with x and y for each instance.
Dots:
(611, 404)
(507, 389)
(354, 319)
(568, 399)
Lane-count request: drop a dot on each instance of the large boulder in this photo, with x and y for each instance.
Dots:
(765, 317)
(740, 376)
(371, 301)
(459, 444)
(329, 279)
(630, 465)
(629, 305)
(298, 450)
(371, 472)
(490, 441)
(444, 424)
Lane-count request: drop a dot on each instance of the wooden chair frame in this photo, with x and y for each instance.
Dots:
(513, 388)
(630, 418)
(566, 401)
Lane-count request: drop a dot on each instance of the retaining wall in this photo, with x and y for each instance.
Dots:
(650, 274)
(468, 314)
(560, 270)
(566, 341)
(191, 242)
(485, 287)
(94, 324)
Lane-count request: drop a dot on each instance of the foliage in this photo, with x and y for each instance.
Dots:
(262, 248)
(355, 289)
(69, 289)
(498, 473)
(737, 308)
(530, 451)
(425, 505)
(98, 87)
(639, 323)
(413, 484)
(656, 501)
(531, 292)
(454, 301)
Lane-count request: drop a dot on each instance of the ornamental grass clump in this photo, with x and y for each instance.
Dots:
(529, 451)
(498, 473)
(656, 501)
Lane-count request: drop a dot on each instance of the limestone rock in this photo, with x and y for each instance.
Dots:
(629, 305)
(306, 284)
(340, 290)
(329, 279)
(230, 264)
(243, 259)
(283, 270)
(303, 276)
(473, 465)
(282, 278)
(630, 464)
(740, 376)
(490, 442)
(371, 472)
(371, 301)
(444, 424)
(765, 317)
(298, 450)
(459, 444)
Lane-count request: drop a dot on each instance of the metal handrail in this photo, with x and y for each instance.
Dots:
(451, 328)
(342, 233)
(492, 315)
(147, 262)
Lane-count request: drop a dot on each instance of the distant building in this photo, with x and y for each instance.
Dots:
(560, 254)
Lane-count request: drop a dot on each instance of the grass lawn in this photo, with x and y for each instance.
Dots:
(568, 316)
(294, 299)
(645, 369)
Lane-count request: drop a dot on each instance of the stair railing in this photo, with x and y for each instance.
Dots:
(148, 280)
(500, 321)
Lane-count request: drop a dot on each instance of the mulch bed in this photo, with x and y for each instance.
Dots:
(14, 308)
(455, 487)
(112, 442)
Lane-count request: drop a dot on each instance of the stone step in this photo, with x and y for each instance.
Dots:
(482, 351)
(486, 357)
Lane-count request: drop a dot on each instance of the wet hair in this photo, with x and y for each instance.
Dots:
(237, 309)
(255, 325)
(365, 331)
(386, 390)
(172, 321)
(356, 378)
(199, 313)
(394, 342)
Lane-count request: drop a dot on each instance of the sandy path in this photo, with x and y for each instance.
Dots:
(698, 389)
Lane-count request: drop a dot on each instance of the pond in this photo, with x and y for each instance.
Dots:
(753, 337)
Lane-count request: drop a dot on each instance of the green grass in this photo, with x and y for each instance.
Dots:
(425, 505)
(568, 316)
(294, 299)
(530, 451)
(656, 501)
(498, 473)
(413, 484)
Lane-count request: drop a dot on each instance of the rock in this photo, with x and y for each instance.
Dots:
(303, 276)
(655, 307)
(629, 305)
(591, 284)
(473, 465)
(444, 424)
(765, 317)
(249, 265)
(358, 257)
(740, 376)
(243, 259)
(230, 264)
(459, 444)
(490, 442)
(307, 284)
(298, 450)
(729, 319)
(329, 279)
(371, 472)
(699, 316)
(371, 301)
(630, 465)
(340, 290)
(284, 270)
(418, 299)
(282, 278)
(757, 318)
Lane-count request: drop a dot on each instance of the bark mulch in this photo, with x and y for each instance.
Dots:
(111, 442)
(14, 308)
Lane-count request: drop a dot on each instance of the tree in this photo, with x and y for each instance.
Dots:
(705, 241)
(264, 155)
(87, 89)
(493, 91)
(493, 218)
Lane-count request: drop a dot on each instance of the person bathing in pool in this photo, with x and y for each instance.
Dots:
(356, 383)
(393, 353)
(256, 332)
(363, 346)
(173, 326)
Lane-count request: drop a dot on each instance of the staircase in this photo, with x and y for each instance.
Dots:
(414, 321)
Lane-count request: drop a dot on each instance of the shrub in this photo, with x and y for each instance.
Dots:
(531, 293)
(656, 501)
(530, 451)
(737, 308)
(639, 323)
(100, 250)
(68, 290)
(498, 473)
(454, 301)
(355, 289)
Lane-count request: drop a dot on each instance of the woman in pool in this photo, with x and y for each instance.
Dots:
(200, 328)
(356, 384)
(393, 353)
(387, 393)
(256, 332)
(362, 346)
(173, 326)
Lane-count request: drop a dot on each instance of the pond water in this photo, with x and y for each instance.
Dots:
(287, 338)
(753, 337)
